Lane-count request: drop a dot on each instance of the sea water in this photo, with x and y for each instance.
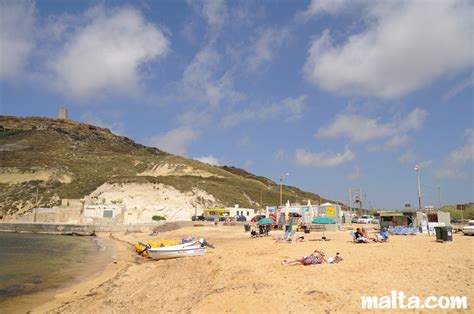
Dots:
(34, 266)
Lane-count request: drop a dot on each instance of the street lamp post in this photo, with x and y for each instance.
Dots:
(417, 169)
(281, 188)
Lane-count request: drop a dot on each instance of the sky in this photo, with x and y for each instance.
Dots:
(338, 94)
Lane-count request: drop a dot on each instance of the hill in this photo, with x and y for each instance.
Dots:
(468, 212)
(45, 160)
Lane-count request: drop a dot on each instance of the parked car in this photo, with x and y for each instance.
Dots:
(354, 219)
(257, 218)
(198, 218)
(365, 219)
(240, 218)
(469, 228)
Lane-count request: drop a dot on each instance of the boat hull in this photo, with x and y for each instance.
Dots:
(176, 251)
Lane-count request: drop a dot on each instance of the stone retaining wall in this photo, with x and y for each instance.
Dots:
(49, 228)
(89, 229)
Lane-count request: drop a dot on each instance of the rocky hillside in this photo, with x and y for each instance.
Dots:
(43, 160)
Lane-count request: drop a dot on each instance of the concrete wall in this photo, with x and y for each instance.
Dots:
(49, 228)
(90, 229)
(52, 215)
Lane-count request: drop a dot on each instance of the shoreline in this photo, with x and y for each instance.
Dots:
(84, 286)
(71, 272)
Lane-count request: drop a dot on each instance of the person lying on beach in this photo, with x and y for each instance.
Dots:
(290, 238)
(365, 234)
(317, 257)
(299, 238)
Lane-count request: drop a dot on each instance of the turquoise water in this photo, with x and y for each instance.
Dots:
(32, 264)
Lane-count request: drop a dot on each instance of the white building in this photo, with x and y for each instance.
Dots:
(102, 211)
(248, 213)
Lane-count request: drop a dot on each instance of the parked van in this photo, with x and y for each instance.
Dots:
(211, 214)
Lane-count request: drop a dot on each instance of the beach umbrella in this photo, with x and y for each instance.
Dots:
(265, 221)
(323, 220)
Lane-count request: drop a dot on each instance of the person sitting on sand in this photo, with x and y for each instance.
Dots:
(383, 236)
(335, 259)
(317, 257)
(359, 236)
(253, 233)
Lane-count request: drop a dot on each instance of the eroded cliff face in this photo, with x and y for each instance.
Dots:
(152, 199)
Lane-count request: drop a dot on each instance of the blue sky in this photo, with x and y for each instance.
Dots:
(339, 94)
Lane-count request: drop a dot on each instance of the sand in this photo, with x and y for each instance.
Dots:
(244, 275)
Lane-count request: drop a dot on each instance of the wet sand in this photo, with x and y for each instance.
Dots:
(245, 275)
(71, 270)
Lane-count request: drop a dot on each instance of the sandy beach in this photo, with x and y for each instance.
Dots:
(244, 275)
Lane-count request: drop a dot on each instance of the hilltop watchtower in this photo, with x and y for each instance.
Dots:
(63, 113)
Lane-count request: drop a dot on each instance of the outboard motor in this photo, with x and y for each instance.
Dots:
(146, 247)
(203, 243)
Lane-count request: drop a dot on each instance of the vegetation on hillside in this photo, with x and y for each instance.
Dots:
(467, 213)
(81, 157)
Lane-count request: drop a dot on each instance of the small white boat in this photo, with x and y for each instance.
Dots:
(195, 248)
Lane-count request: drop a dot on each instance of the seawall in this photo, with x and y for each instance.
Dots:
(88, 229)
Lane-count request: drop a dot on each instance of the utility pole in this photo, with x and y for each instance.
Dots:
(417, 169)
(439, 197)
(281, 188)
(350, 200)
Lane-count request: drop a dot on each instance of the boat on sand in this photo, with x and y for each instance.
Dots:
(194, 248)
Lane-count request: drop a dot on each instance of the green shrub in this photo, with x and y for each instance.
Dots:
(158, 218)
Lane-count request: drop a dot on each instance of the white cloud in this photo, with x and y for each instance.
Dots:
(317, 7)
(214, 13)
(359, 128)
(425, 164)
(203, 83)
(16, 37)
(392, 143)
(105, 52)
(405, 46)
(325, 159)
(209, 160)
(268, 42)
(409, 157)
(396, 141)
(290, 108)
(175, 141)
(459, 87)
(412, 159)
(455, 162)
